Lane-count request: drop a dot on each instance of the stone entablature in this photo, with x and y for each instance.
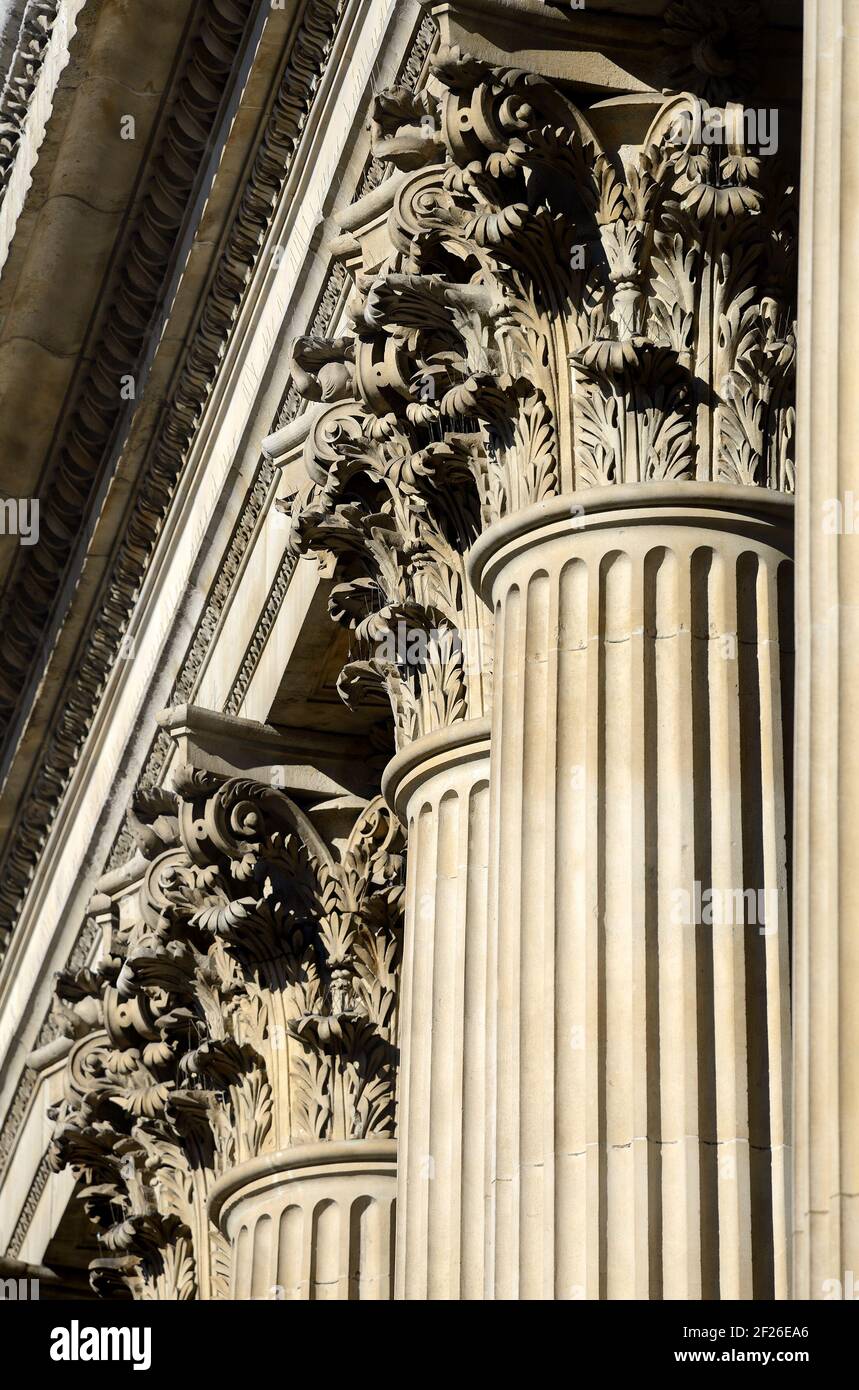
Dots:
(228, 660)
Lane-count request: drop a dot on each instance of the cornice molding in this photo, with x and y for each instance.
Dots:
(80, 954)
(158, 483)
(27, 607)
(20, 81)
(28, 1211)
(292, 404)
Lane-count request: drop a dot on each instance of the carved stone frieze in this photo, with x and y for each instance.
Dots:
(248, 1003)
(157, 485)
(35, 580)
(19, 81)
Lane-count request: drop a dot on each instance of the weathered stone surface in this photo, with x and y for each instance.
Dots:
(400, 689)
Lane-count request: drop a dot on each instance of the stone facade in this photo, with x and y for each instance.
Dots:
(412, 868)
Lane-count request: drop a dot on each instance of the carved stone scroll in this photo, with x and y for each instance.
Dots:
(247, 1003)
(551, 316)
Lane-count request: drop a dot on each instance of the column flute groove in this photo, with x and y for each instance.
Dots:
(439, 787)
(559, 416)
(644, 913)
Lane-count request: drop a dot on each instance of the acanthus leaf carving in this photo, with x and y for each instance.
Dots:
(550, 318)
(249, 1003)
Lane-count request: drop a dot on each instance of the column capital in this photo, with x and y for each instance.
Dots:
(247, 1001)
(575, 296)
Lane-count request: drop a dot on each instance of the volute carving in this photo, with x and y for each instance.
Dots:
(248, 1003)
(551, 317)
(394, 525)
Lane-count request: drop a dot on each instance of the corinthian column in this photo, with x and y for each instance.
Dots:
(440, 788)
(230, 1099)
(566, 390)
(637, 987)
(826, 960)
(312, 1222)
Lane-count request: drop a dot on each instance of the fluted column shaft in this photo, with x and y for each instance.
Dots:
(637, 976)
(440, 788)
(826, 943)
(312, 1222)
